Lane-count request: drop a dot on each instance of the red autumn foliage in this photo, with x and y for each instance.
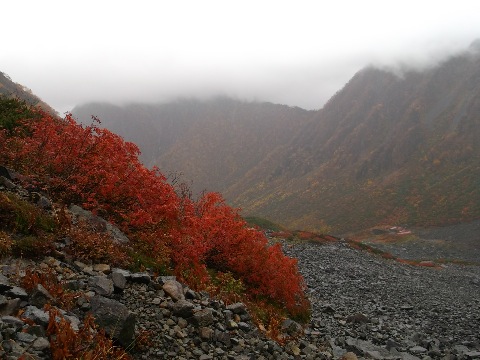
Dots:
(92, 167)
(89, 343)
(97, 169)
(219, 238)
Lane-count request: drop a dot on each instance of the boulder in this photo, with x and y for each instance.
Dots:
(203, 317)
(291, 327)
(183, 308)
(140, 277)
(4, 284)
(237, 308)
(119, 280)
(99, 224)
(40, 317)
(115, 318)
(101, 285)
(40, 296)
(174, 289)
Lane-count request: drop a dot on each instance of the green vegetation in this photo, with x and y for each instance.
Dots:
(12, 111)
(20, 216)
(262, 223)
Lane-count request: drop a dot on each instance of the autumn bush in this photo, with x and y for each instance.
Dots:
(6, 243)
(94, 168)
(48, 279)
(18, 215)
(89, 343)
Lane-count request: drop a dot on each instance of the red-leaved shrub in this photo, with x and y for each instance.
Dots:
(97, 169)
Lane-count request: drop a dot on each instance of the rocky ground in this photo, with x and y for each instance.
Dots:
(379, 308)
(364, 306)
(460, 243)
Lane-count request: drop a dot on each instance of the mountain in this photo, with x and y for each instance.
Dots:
(212, 145)
(10, 89)
(386, 149)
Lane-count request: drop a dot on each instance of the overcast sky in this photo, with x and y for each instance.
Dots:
(297, 53)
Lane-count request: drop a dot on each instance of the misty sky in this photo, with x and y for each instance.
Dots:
(297, 53)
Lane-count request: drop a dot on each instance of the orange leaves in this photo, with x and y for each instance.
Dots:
(48, 279)
(98, 170)
(220, 239)
(88, 343)
(92, 167)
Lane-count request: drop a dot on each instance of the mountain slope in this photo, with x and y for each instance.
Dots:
(213, 144)
(10, 89)
(385, 149)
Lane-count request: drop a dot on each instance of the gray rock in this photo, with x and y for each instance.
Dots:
(12, 320)
(115, 318)
(37, 330)
(117, 235)
(142, 278)
(192, 295)
(40, 296)
(202, 317)
(11, 307)
(291, 327)
(418, 350)
(222, 337)
(41, 344)
(25, 337)
(244, 326)
(99, 224)
(44, 203)
(4, 284)
(7, 183)
(119, 279)
(366, 348)
(174, 289)
(38, 316)
(163, 279)
(17, 292)
(183, 308)
(237, 308)
(101, 285)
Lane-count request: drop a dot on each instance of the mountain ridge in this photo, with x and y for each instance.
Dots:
(11, 89)
(384, 149)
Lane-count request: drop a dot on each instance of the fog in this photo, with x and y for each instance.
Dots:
(297, 53)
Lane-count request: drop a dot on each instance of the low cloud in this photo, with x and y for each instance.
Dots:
(294, 53)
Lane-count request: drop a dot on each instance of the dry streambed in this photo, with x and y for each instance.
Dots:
(382, 309)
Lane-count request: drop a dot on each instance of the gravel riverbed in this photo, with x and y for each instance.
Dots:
(360, 300)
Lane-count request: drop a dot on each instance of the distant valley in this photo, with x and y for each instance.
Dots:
(385, 149)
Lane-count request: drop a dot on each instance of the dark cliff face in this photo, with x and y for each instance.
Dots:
(384, 149)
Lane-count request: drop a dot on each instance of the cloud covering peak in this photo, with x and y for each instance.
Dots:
(293, 52)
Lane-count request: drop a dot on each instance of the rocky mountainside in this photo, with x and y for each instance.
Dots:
(387, 148)
(212, 145)
(384, 149)
(10, 89)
